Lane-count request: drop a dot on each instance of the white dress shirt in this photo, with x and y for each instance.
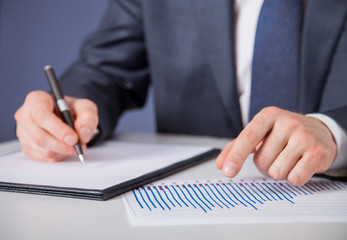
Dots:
(246, 19)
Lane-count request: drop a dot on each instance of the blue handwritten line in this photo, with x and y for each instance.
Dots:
(222, 195)
(285, 187)
(161, 197)
(306, 189)
(261, 191)
(233, 195)
(203, 195)
(179, 196)
(150, 189)
(280, 192)
(149, 197)
(318, 185)
(291, 187)
(266, 185)
(171, 196)
(197, 195)
(137, 199)
(325, 185)
(220, 186)
(185, 196)
(277, 191)
(242, 196)
(266, 191)
(309, 187)
(240, 184)
(216, 195)
(194, 198)
(300, 189)
(167, 197)
(336, 185)
(313, 186)
(250, 187)
(331, 186)
(210, 196)
(144, 200)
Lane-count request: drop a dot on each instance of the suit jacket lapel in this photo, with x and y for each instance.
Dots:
(215, 20)
(322, 25)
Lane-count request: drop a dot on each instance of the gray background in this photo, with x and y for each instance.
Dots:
(39, 32)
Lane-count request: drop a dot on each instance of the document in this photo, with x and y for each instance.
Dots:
(245, 201)
(110, 169)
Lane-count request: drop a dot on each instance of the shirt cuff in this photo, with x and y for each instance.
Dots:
(340, 136)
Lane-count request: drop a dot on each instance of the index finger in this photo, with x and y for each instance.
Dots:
(41, 110)
(247, 141)
(54, 125)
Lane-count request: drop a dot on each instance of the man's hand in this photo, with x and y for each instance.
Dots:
(44, 136)
(286, 145)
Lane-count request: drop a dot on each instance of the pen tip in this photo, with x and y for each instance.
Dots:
(80, 156)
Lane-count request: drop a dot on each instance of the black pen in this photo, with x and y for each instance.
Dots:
(62, 106)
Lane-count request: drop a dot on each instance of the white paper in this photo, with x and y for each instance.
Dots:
(228, 201)
(106, 165)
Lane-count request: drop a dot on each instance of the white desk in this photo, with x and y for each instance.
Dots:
(26, 216)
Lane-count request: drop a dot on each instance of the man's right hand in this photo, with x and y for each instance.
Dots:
(42, 133)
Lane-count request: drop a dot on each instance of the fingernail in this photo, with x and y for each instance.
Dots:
(85, 134)
(70, 139)
(229, 169)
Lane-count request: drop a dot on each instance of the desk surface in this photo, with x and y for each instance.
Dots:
(26, 216)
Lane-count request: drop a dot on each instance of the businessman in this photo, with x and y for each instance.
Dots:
(271, 74)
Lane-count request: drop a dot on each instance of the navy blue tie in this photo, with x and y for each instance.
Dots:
(275, 69)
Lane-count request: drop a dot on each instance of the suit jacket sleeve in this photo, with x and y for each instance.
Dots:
(334, 97)
(112, 67)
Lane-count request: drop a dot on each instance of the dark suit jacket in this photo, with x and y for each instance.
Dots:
(185, 49)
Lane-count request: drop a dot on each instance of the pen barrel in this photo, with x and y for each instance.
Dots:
(68, 120)
(53, 82)
(63, 107)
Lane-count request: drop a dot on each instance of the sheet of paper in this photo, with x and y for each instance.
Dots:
(106, 165)
(227, 201)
